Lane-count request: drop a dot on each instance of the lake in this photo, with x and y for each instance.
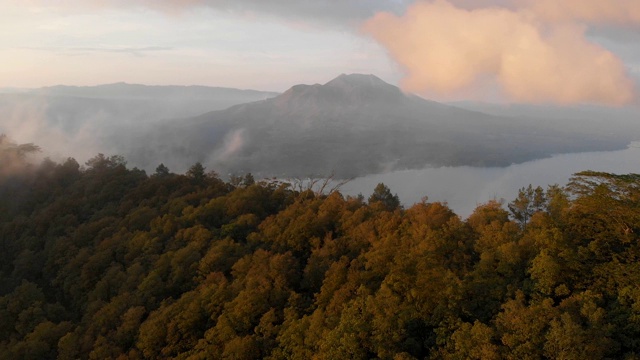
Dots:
(463, 188)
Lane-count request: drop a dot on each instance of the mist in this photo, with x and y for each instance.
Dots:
(27, 120)
(80, 122)
(351, 126)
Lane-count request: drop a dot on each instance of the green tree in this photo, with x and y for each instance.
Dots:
(528, 202)
(382, 194)
(196, 172)
(101, 162)
(162, 170)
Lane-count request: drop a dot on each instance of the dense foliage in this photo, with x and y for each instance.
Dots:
(101, 261)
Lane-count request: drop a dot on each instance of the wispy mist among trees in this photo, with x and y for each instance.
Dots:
(14, 157)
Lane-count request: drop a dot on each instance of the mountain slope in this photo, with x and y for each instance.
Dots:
(173, 98)
(81, 121)
(356, 125)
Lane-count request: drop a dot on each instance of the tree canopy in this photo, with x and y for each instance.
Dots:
(105, 262)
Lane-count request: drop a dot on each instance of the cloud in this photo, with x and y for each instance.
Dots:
(134, 51)
(521, 50)
(300, 11)
(622, 12)
(619, 12)
(447, 50)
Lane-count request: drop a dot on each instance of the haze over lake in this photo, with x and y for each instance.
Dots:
(464, 187)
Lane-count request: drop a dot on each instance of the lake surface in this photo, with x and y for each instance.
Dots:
(463, 188)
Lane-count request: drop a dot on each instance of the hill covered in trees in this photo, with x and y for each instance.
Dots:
(104, 262)
(356, 125)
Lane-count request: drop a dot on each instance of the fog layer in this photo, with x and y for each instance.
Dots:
(79, 122)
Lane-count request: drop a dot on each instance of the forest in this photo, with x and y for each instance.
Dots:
(102, 261)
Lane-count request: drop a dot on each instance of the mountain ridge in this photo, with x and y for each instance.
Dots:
(356, 125)
(127, 90)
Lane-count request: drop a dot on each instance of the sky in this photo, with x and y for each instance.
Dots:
(527, 51)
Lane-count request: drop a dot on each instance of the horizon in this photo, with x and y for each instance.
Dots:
(333, 179)
(577, 54)
(452, 102)
(187, 85)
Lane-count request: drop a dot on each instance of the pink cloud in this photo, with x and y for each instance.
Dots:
(447, 50)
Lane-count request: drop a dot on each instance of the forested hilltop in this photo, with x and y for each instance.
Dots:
(104, 262)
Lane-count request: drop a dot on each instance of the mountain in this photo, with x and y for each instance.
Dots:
(355, 125)
(199, 98)
(12, 90)
(169, 101)
(618, 121)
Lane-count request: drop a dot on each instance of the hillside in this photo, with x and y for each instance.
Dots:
(81, 121)
(216, 98)
(105, 262)
(356, 125)
(353, 125)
